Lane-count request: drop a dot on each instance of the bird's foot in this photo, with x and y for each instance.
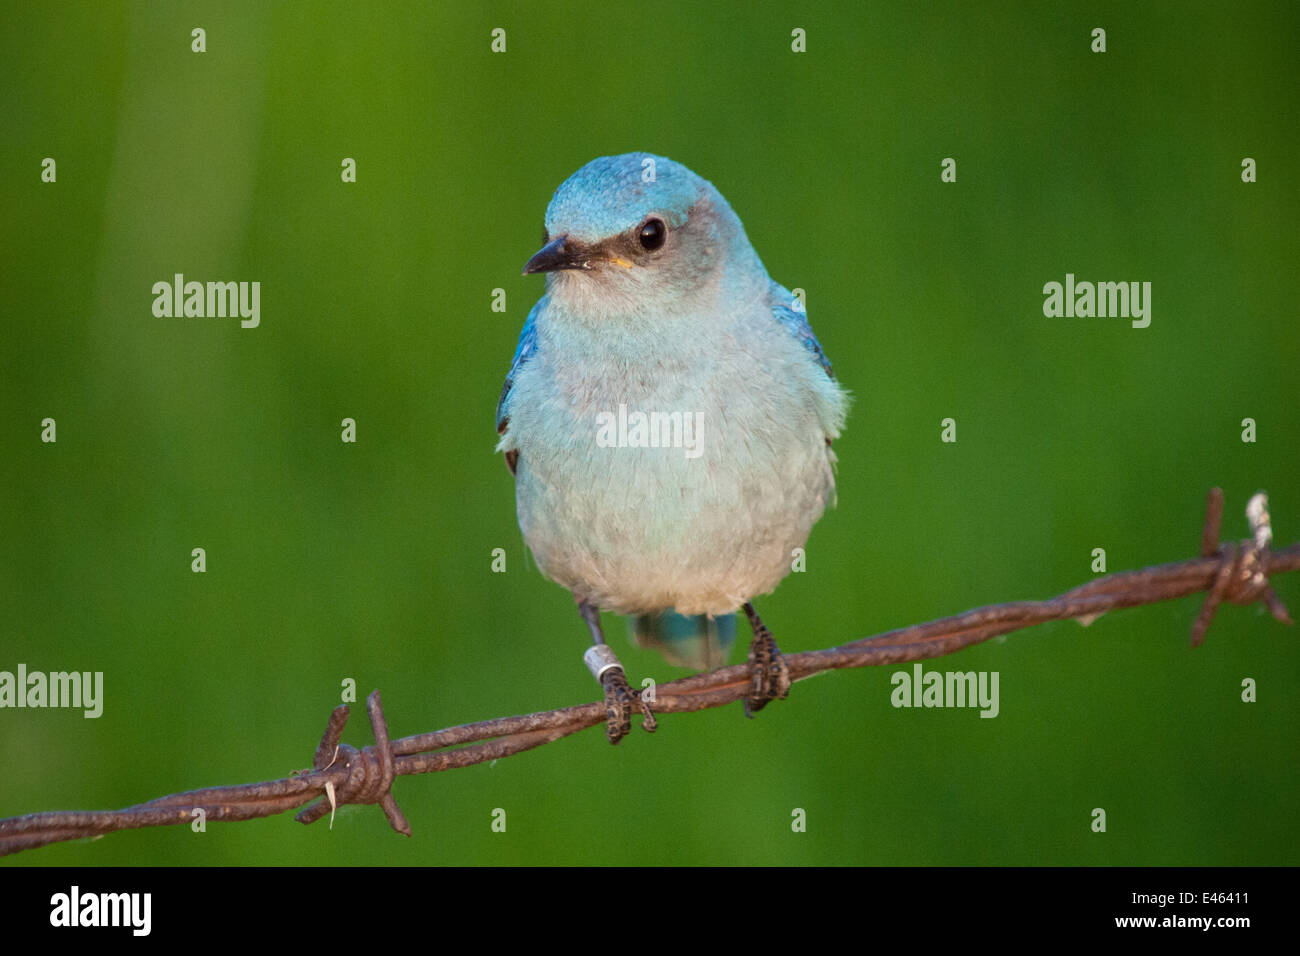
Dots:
(769, 675)
(620, 698)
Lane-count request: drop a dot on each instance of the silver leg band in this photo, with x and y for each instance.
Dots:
(599, 658)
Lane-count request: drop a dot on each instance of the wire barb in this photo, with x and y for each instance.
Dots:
(1242, 574)
(1238, 572)
(370, 771)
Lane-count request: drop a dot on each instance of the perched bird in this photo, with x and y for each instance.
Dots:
(668, 418)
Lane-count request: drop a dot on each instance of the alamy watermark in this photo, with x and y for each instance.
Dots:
(637, 429)
(946, 689)
(199, 300)
(1086, 300)
(132, 911)
(84, 689)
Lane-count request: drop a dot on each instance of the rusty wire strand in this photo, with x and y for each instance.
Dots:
(1238, 572)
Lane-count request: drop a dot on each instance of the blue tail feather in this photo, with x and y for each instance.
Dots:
(687, 640)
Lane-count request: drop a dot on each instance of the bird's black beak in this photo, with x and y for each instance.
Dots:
(560, 253)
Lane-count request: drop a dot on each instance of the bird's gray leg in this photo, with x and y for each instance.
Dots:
(606, 668)
(769, 676)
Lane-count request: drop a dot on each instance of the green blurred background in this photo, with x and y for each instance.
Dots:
(372, 561)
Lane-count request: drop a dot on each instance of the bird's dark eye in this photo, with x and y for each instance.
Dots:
(652, 234)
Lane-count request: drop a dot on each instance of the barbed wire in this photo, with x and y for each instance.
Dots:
(341, 774)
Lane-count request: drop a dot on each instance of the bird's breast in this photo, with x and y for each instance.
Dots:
(666, 482)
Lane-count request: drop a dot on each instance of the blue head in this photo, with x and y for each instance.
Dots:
(637, 234)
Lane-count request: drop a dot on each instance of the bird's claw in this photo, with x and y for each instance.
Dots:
(620, 698)
(769, 675)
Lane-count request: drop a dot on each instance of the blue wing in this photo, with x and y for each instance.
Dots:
(796, 323)
(525, 350)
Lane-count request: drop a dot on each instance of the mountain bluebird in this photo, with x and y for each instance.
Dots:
(668, 419)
